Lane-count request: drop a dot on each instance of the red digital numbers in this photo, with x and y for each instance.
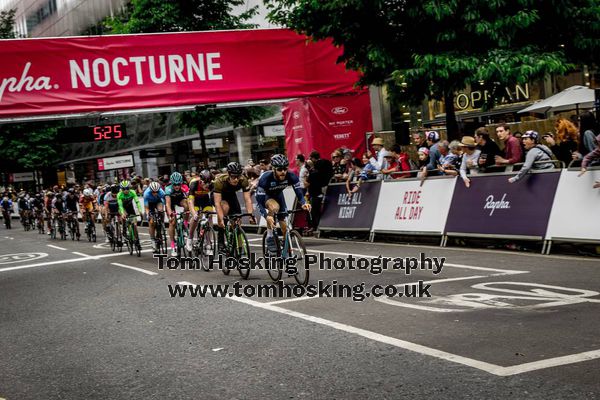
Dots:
(106, 132)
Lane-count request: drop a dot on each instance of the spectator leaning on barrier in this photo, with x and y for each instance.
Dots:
(377, 159)
(339, 169)
(450, 162)
(588, 130)
(536, 154)
(419, 140)
(354, 176)
(423, 153)
(403, 160)
(512, 147)
(390, 165)
(566, 142)
(433, 139)
(470, 158)
(589, 159)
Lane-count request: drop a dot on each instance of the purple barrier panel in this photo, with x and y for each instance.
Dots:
(357, 212)
(492, 206)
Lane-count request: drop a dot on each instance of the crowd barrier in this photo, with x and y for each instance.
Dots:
(546, 205)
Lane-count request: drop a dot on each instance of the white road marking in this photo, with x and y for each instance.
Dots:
(417, 348)
(81, 254)
(8, 237)
(292, 299)
(135, 269)
(255, 240)
(56, 247)
(142, 233)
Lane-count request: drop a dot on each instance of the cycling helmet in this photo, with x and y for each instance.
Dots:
(205, 175)
(114, 189)
(49, 193)
(38, 195)
(155, 186)
(88, 192)
(125, 185)
(234, 168)
(176, 178)
(279, 161)
(71, 191)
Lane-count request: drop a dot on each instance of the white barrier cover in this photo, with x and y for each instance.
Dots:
(406, 206)
(575, 210)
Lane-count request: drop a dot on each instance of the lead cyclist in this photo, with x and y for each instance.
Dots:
(269, 195)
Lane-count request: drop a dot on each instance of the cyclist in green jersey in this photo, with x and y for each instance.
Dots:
(125, 200)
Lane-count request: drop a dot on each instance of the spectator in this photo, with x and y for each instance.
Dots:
(303, 174)
(566, 141)
(318, 179)
(252, 173)
(263, 165)
(368, 171)
(391, 165)
(449, 163)
(588, 130)
(488, 148)
(419, 140)
(354, 177)
(340, 173)
(423, 153)
(470, 158)
(403, 160)
(377, 159)
(590, 158)
(535, 153)
(322, 165)
(433, 139)
(512, 147)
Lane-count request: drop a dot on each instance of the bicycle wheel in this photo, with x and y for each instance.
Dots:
(297, 250)
(63, 230)
(54, 226)
(93, 232)
(274, 271)
(72, 230)
(129, 240)
(242, 250)
(225, 245)
(207, 247)
(119, 236)
(136, 242)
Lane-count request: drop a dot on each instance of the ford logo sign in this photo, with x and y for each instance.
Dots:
(339, 110)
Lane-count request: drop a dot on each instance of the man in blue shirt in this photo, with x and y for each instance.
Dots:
(269, 195)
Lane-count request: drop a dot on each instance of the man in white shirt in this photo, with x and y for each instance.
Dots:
(378, 161)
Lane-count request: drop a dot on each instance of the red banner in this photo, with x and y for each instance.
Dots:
(118, 72)
(327, 123)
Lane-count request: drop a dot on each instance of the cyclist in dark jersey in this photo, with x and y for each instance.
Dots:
(154, 200)
(71, 206)
(199, 199)
(269, 194)
(225, 198)
(175, 196)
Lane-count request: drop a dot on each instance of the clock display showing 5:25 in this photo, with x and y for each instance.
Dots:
(108, 132)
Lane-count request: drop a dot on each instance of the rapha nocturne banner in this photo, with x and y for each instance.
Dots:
(494, 206)
(117, 72)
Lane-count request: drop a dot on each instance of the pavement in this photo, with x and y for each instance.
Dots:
(78, 321)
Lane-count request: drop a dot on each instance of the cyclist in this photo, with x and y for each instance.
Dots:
(72, 206)
(48, 207)
(225, 199)
(199, 200)
(175, 195)
(37, 204)
(6, 204)
(154, 200)
(269, 195)
(88, 203)
(102, 190)
(125, 200)
(111, 207)
(24, 207)
(58, 207)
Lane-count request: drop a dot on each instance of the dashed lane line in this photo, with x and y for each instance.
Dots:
(56, 247)
(135, 269)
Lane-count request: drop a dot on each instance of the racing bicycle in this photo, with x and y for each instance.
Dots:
(236, 243)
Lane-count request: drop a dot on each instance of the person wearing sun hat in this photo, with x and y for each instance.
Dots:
(470, 158)
(377, 160)
(535, 153)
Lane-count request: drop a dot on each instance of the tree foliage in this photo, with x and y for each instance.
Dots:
(29, 146)
(146, 16)
(7, 24)
(432, 48)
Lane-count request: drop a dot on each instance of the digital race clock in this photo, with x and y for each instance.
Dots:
(98, 133)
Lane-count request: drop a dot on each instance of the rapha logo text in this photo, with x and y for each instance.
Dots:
(29, 83)
(492, 205)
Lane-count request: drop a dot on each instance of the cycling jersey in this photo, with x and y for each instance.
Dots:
(200, 194)
(37, 204)
(58, 204)
(222, 184)
(125, 202)
(88, 203)
(271, 188)
(176, 196)
(110, 201)
(151, 200)
(23, 204)
(71, 203)
(6, 204)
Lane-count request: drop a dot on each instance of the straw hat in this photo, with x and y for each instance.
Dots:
(468, 141)
(378, 141)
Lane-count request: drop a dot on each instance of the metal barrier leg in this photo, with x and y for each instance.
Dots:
(548, 247)
(372, 237)
(444, 241)
(544, 246)
(318, 234)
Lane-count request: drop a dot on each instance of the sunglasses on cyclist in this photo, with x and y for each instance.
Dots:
(233, 176)
(281, 169)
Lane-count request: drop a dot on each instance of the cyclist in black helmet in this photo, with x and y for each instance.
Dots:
(225, 198)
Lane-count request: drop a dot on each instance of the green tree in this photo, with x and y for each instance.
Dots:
(433, 48)
(7, 24)
(146, 16)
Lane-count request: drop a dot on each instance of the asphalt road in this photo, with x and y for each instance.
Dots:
(76, 323)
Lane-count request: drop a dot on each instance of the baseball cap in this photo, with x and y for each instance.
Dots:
(424, 150)
(531, 134)
(434, 136)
